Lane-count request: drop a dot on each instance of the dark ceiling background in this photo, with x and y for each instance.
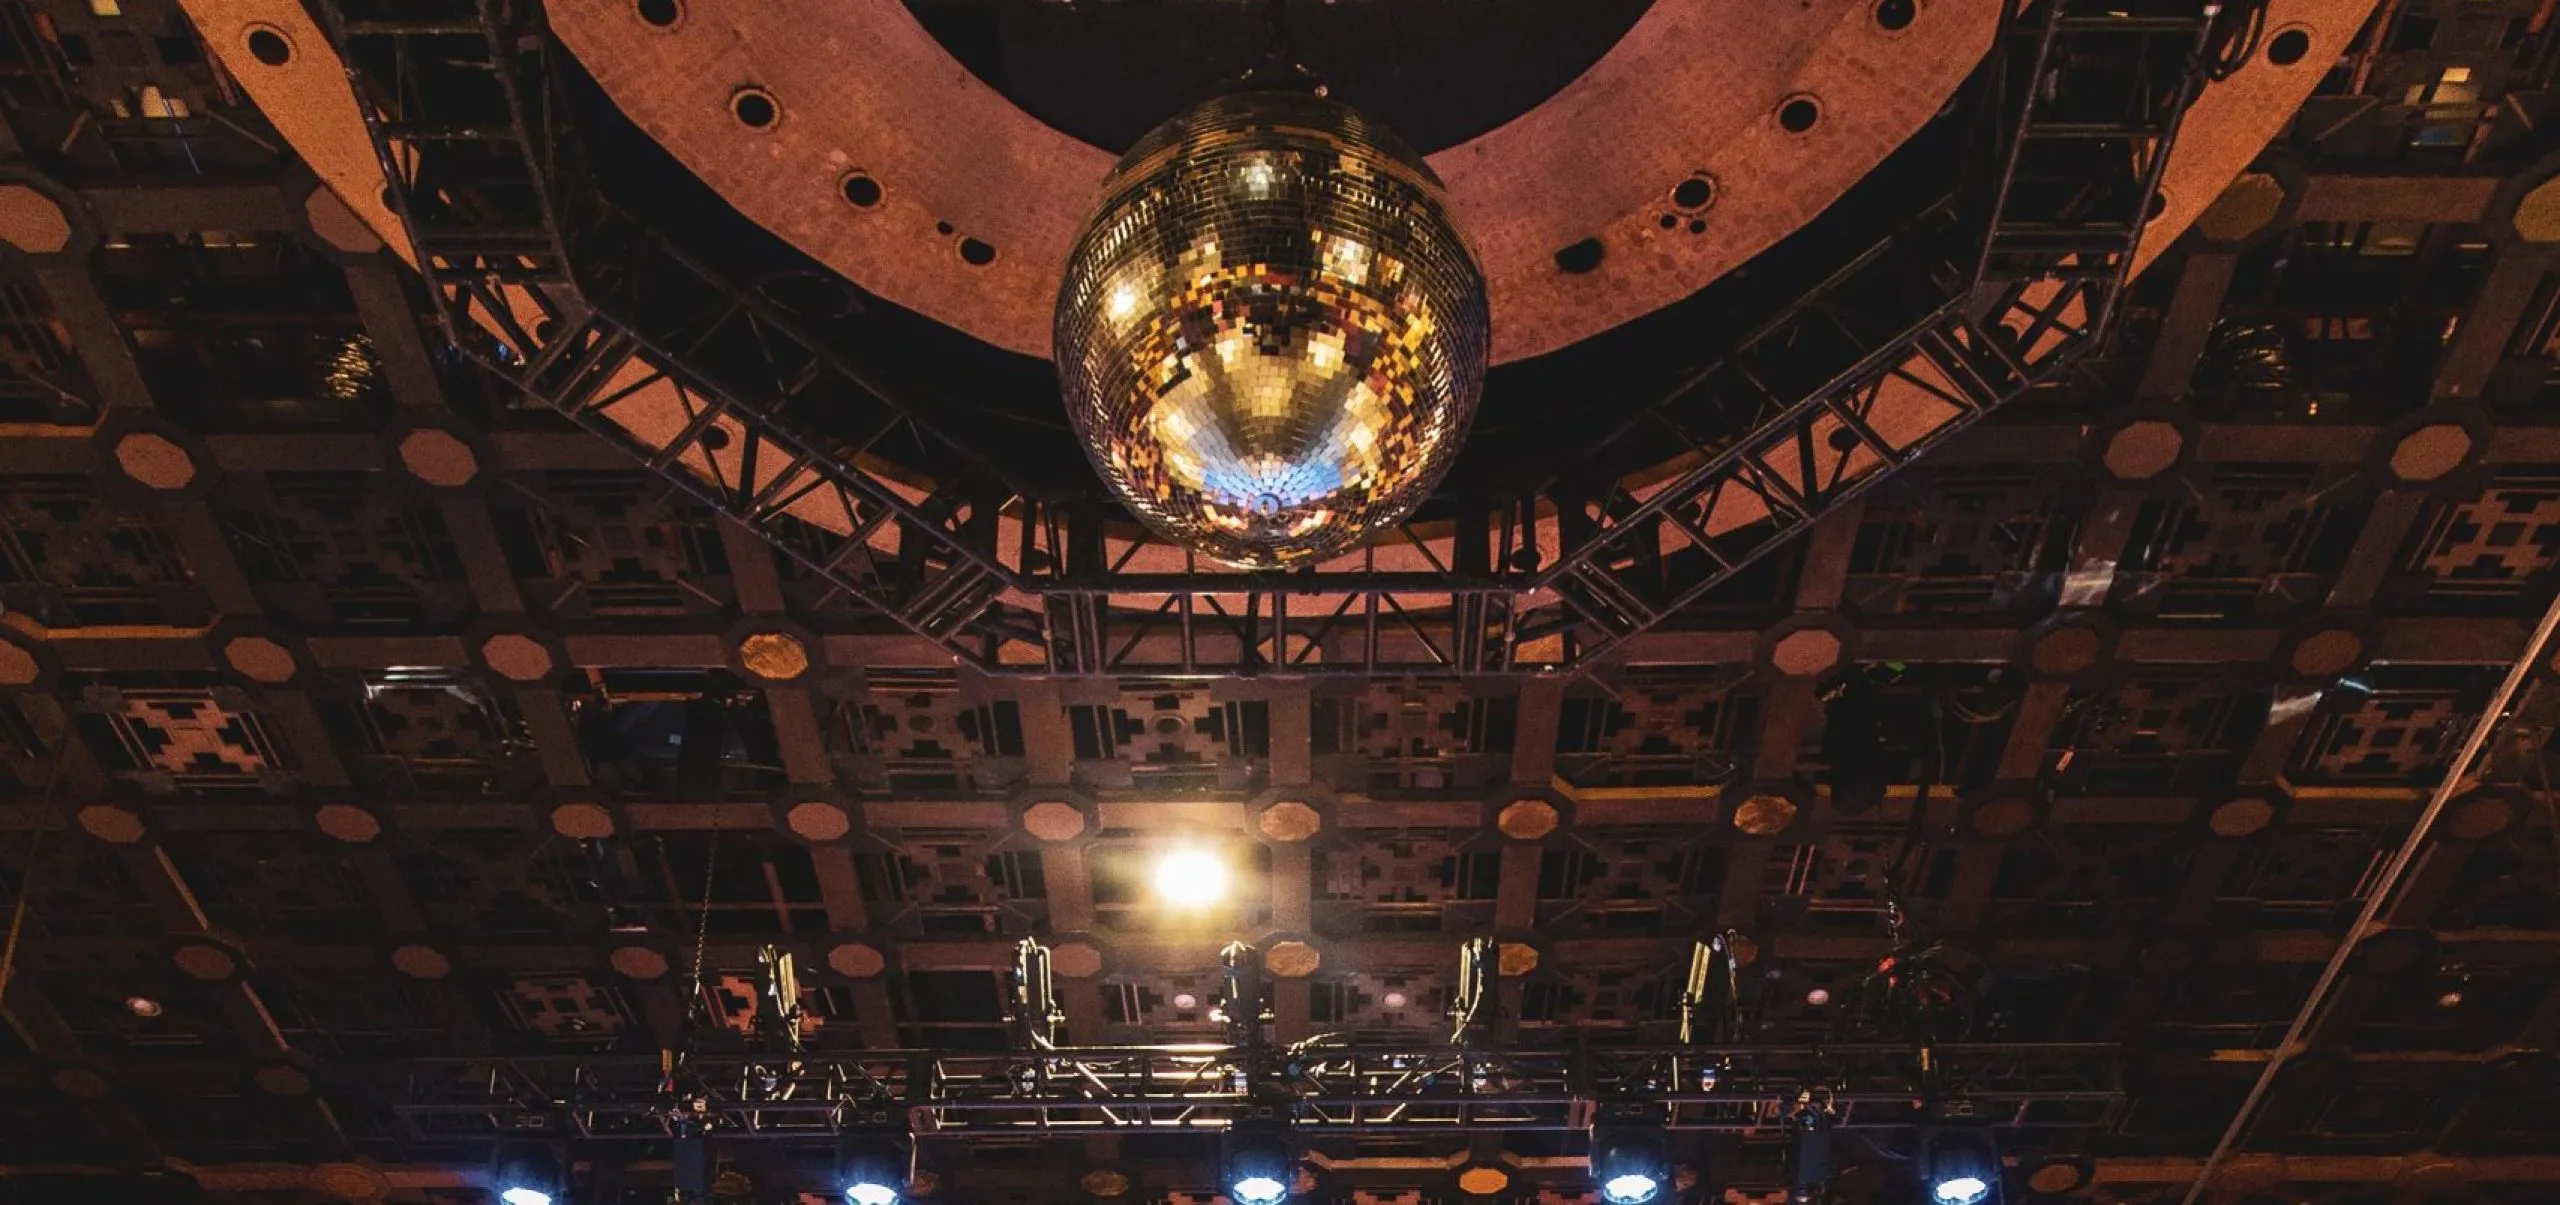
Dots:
(1439, 72)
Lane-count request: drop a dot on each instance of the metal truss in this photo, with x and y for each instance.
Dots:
(1325, 1088)
(576, 303)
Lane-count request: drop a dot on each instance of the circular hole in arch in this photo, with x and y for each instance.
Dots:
(268, 45)
(1581, 258)
(755, 108)
(1897, 14)
(1841, 439)
(1694, 193)
(661, 13)
(1670, 221)
(976, 254)
(861, 191)
(2288, 47)
(942, 228)
(2159, 205)
(714, 439)
(1697, 225)
(1798, 114)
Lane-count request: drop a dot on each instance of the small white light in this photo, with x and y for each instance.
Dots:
(1191, 878)
(1124, 302)
(1631, 1189)
(1962, 1190)
(2449, 1000)
(1395, 1000)
(1259, 1190)
(142, 1006)
(1186, 1000)
(525, 1196)
(1818, 997)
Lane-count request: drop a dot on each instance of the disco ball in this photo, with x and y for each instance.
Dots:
(1270, 337)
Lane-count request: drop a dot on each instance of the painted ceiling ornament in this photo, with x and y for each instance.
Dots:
(1270, 337)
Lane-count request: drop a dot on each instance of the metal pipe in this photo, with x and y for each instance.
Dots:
(2456, 773)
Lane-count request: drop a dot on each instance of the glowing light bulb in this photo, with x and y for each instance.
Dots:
(1190, 878)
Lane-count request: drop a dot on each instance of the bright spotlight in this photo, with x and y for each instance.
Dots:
(1632, 1163)
(1259, 1190)
(526, 1174)
(1960, 1166)
(1959, 1190)
(1191, 877)
(1630, 1189)
(1261, 1165)
(872, 1168)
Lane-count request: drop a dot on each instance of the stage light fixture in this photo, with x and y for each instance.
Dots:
(1809, 1160)
(872, 1168)
(1959, 1165)
(1191, 877)
(1261, 1165)
(527, 1173)
(1631, 1162)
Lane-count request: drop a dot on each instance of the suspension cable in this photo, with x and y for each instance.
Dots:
(702, 917)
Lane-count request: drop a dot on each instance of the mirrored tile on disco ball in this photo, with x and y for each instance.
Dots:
(1271, 338)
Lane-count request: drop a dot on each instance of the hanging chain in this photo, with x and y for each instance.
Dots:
(702, 913)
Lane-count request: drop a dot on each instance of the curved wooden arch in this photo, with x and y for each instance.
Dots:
(307, 99)
(1693, 88)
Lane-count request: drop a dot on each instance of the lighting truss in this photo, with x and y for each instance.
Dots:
(578, 304)
(1332, 1089)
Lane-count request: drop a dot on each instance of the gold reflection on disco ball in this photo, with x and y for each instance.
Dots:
(1270, 337)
